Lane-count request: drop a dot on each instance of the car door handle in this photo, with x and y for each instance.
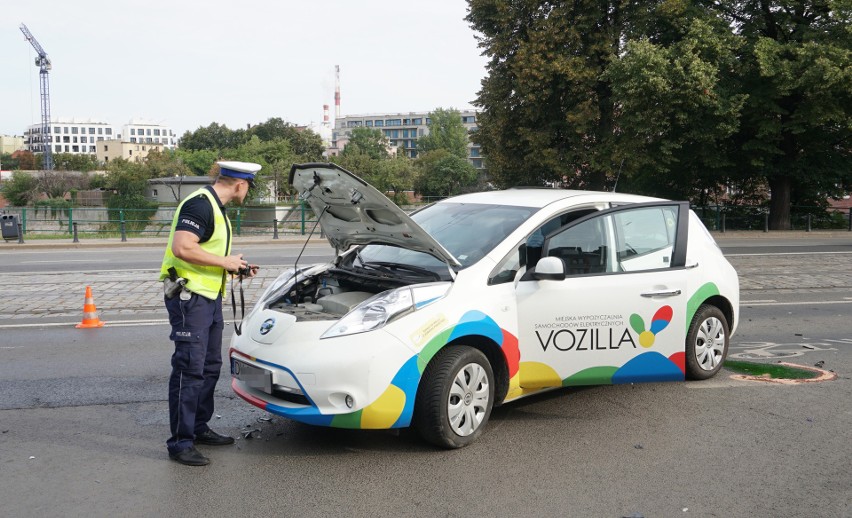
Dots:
(671, 293)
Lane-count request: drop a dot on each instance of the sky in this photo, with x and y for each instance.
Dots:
(188, 63)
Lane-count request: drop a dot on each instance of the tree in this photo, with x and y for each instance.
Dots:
(9, 162)
(26, 160)
(21, 189)
(795, 126)
(129, 181)
(303, 142)
(55, 184)
(166, 163)
(198, 161)
(677, 109)
(75, 162)
(370, 142)
(684, 96)
(446, 131)
(214, 136)
(549, 112)
(441, 173)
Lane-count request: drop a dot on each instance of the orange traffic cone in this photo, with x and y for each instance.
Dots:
(90, 313)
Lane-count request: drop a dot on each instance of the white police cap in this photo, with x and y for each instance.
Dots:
(243, 170)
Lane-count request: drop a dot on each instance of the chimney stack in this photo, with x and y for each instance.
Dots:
(336, 91)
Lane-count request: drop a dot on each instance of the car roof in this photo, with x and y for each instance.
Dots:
(541, 197)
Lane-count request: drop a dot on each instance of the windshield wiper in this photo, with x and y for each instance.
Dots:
(385, 266)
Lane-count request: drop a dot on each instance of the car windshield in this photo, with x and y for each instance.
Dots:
(466, 230)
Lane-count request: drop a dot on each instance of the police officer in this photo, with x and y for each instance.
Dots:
(199, 251)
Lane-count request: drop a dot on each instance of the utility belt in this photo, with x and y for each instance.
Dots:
(172, 285)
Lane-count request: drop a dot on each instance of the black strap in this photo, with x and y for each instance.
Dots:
(237, 326)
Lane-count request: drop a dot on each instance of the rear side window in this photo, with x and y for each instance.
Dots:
(645, 237)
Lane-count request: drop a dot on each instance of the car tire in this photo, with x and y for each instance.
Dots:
(455, 397)
(706, 343)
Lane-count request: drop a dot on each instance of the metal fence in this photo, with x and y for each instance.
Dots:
(730, 217)
(75, 222)
(299, 219)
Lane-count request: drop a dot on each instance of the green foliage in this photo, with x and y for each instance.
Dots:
(213, 137)
(795, 126)
(199, 162)
(678, 112)
(367, 141)
(96, 181)
(8, 162)
(56, 184)
(166, 163)
(304, 143)
(549, 114)
(21, 189)
(446, 131)
(54, 204)
(75, 162)
(129, 181)
(683, 98)
(218, 137)
(441, 173)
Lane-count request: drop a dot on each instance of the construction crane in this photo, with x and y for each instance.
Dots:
(43, 63)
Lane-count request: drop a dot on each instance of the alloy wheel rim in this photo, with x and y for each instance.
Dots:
(710, 344)
(468, 399)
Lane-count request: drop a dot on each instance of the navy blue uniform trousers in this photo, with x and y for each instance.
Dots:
(197, 326)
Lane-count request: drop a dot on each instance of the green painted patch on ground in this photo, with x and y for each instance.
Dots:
(772, 370)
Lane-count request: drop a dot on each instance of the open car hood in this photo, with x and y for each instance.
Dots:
(354, 213)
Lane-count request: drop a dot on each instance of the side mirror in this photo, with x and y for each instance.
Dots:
(549, 269)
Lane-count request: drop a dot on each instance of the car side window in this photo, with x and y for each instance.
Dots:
(645, 237)
(585, 248)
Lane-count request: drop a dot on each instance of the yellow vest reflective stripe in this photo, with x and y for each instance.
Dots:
(207, 281)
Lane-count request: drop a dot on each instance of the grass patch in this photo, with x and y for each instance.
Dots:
(772, 370)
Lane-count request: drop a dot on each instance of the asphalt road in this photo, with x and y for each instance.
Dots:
(83, 420)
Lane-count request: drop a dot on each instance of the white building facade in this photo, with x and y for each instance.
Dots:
(69, 136)
(80, 137)
(142, 132)
(402, 131)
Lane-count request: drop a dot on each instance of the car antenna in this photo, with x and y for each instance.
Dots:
(618, 175)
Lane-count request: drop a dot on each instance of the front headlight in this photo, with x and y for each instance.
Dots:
(377, 311)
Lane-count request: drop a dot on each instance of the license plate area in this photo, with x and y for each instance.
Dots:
(254, 377)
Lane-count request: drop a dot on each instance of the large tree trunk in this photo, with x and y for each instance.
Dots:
(779, 203)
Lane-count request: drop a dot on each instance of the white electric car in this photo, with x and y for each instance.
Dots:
(430, 320)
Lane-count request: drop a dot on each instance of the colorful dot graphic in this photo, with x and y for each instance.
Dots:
(659, 322)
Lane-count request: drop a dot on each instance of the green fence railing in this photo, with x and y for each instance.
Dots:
(298, 219)
(738, 217)
(48, 222)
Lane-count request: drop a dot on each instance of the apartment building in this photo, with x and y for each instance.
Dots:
(109, 150)
(142, 132)
(69, 136)
(11, 143)
(402, 131)
(81, 136)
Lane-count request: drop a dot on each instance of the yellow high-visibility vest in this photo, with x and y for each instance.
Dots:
(207, 281)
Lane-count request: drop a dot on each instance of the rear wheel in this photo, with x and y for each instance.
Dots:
(706, 343)
(455, 397)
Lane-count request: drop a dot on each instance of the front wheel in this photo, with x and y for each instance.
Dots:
(707, 343)
(455, 397)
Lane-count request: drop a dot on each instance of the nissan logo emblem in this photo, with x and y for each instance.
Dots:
(267, 326)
